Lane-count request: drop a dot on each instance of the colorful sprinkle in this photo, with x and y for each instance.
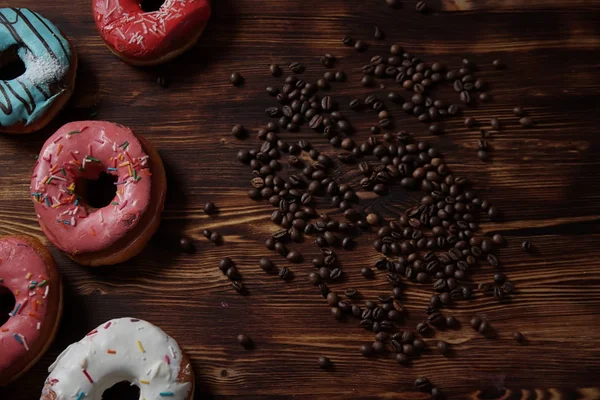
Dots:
(88, 376)
(124, 145)
(29, 275)
(92, 332)
(107, 325)
(39, 325)
(145, 382)
(111, 351)
(73, 132)
(59, 149)
(80, 396)
(92, 159)
(43, 283)
(17, 338)
(140, 346)
(166, 394)
(167, 359)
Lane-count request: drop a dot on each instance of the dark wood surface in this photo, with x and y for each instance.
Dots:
(546, 180)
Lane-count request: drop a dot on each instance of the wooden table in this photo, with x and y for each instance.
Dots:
(545, 180)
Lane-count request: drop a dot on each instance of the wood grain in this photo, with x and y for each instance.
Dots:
(545, 179)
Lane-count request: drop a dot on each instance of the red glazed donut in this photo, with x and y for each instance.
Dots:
(78, 153)
(29, 272)
(149, 38)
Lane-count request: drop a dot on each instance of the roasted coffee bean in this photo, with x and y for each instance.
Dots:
(518, 337)
(216, 238)
(186, 245)
(526, 122)
(495, 124)
(465, 97)
(393, 3)
(296, 67)
(421, 7)
(476, 323)
(423, 384)
(497, 64)
(366, 272)
(368, 81)
(452, 322)
(366, 350)
(244, 340)
(360, 46)
(294, 256)
(336, 312)
(335, 274)
(236, 79)
(443, 347)
(493, 260)
(484, 327)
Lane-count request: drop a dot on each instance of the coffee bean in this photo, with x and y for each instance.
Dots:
(236, 79)
(379, 35)
(296, 67)
(476, 323)
(483, 155)
(518, 337)
(216, 238)
(495, 124)
(275, 70)
(324, 363)
(526, 245)
(244, 340)
(366, 350)
(421, 7)
(526, 122)
(470, 122)
(436, 394)
(443, 347)
(186, 245)
(360, 46)
(452, 322)
(402, 358)
(294, 256)
(366, 272)
(436, 128)
(518, 111)
(465, 97)
(484, 327)
(238, 131)
(225, 264)
(393, 3)
(423, 384)
(239, 287)
(284, 273)
(497, 64)
(233, 274)
(340, 76)
(210, 208)
(368, 81)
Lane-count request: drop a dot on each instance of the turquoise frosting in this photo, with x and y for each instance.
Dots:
(46, 55)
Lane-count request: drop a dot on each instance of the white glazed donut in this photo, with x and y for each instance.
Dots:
(124, 349)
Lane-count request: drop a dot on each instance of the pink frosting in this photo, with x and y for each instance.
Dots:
(82, 150)
(131, 31)
(24, 273)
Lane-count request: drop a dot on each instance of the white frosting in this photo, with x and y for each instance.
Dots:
(125, 349)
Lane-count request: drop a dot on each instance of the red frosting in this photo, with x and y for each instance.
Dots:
(82, 150)
(24, 273)
(148, 35)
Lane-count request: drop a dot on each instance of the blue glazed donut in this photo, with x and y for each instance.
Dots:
(29, 101)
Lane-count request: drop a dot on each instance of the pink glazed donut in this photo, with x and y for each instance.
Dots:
(149, 38)
(79, 153)
(28, 271)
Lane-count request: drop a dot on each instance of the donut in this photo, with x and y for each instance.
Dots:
(28, 271)
(149, 38)
(30, 100)
(124, 349)
(75, 156)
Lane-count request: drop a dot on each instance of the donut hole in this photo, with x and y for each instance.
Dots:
(97, 193)
(151, 5)
(11, 65)
(7, 304)
(122, 391)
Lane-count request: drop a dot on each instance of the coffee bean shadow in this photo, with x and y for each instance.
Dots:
(211, 47)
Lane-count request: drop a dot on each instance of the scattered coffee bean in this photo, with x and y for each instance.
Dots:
(497, 64)
(470, 122)
(239, 287)
(366, 350)
(372, 219)
(366, 272)
(225, 264)
(421, 7)
(393, 3)
(266, 264)
(216, 238)
(236, 79)
(244, 340)
(518, 337)
(275, 70)
(360, 46)
(294, 256)
(495, 124)
(476, 323)
(324, 363)
(518, 111)
(526, 245)
(379, 35)
(443, 347)
(526, 122)
(210, 208)
(238, 131)
(402, 359)
(423, 384)
(296, 67)
(186, 245)
(284, 273)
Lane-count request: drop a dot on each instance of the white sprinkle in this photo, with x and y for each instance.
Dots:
(39, 325)
(84, 363)
(24, 342)
(172, 352)
(46, 291)
(73, 221)
(101, 217)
